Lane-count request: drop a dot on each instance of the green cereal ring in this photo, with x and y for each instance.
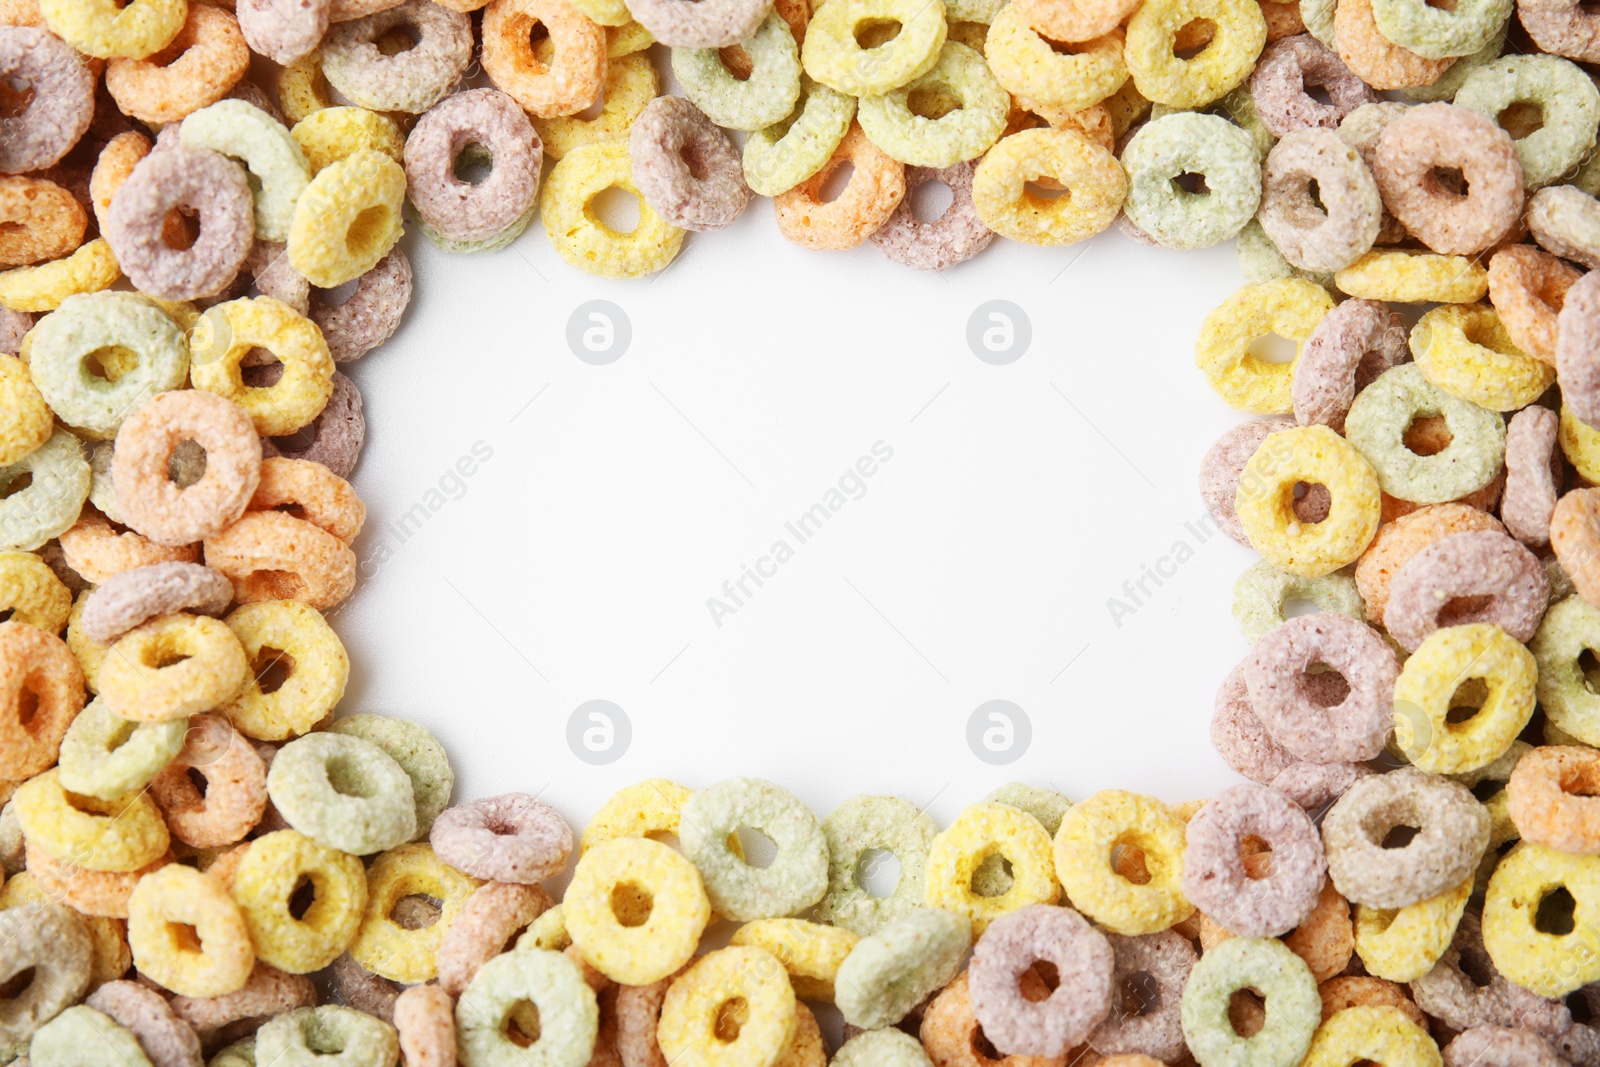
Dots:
(1570, 627)
(241, 1053)
(102, 491)
(889, 973)
(569, 1015)
(106, 756)
(327, 1036)
(1380, 416)
(785, 154)
(343, 792)
(418, 753)
(51, 502)
(834, 56)
(1188, 142)
(1282, 979)
(865, 824)
(1451, 80)
(1440, 33)
(278, 169)
(881, 1048)
(80, 1037)
(1046, 805)
(965, 132)
(493, 243)
(87, 323)
(795, 880)
(1568, 103)
(1263, 591)
(1260, 261)
(1239, 108)
(765, 97)
(1318, 18)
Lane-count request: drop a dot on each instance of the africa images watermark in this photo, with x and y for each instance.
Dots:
(450, 486)
(851, 485)
(1136, 592)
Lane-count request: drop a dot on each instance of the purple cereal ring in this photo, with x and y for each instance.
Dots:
(1330, 231)
(354, 986)
(686, 168)
(1314, 786)
(1465, 990)
(182, 178)
(954, 237)
(1353, 344)
(509, 838)
(282, 30)
(1153, 968)
(700, 23)
(333, 438)
(1275, 674)
(1532, 475)
(411, 81)
(461, 210)
(136, 596)
(1417, 147)
(14, 326)
(1214, 876)
(1499, 1046)
(62, 104)
(167, 1040)
(1011, 945)
(1578, 349)
(1224, 464)
(1238, 736)
(1567, 28)
(1502, 581)
(371, 314)
(1287, 69)
(268, 266)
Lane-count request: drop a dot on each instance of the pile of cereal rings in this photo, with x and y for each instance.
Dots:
(204, 865)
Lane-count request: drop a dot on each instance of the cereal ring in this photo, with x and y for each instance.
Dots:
(630, 85)
(1458, 1000)
(1078, 20)
(308, 1035)
(1266, 504)
(424, 1017)
(1290, 308)
(1493, 1046)
(937, 244)
(1239, 736)
(235, 794)
(873, 192)
(1372, 57)
(1546, 799)
(835, 56)
(411, 81)
(1465, 351)
(1092, 831)
(628, 948)
(385, 944)
(764, 97)
(356, 987)
(53, 943)
(494, 915)
(881, 1048)
(890, 972)
(45, 220)
(981, 831)
(1573, 529)
(284, 33)
(1336, 228)
(26, 422)
(266, 992)
(1434, 33)
(1545, 963)
(1403, 944)
(1453, 831)
(1568, 103)
(794, 881)
(563, 85)
(1216, 881)
(1156, 967)
(586, 242)
(1380, 416)
(182, 179)
(167, 1040)
(271, 555)
(1528, 288)
(348, 218)
(331, 133)
(965, 132)
(31, 593)
(187, 934)
(1284, 72)
(1580, 444)
(103, 28)
(57, 112)
(685, 167)
(304, 647)
(97, 895)
(1399, 540)
(248, 134)
(1223, 466)
(1293, 1006)
(343, 793)
(853, 830)
(1324, 940)
(1347, 350)
(1407, 277)
(1381, 1034)
(208, 57)
(43, 286)
(1503, 581)
(511, 838)
(1239, 32)
(51, 484)
(106, 756)
(782, 156)
(62, 1041)
(96, 552)
(1096, 182)
(1182, 143)
(419, 755)
(1416, 146)
(272, 871)
(228, 332)
(1013, 944)
(1566, 221)
(312, 492)
(1026, 65)
(172, 667)
(1449, 658)
(555, 986)
(1569, 627)
(810, 952)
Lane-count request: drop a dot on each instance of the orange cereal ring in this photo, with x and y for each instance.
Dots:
(1325, 939)
(1364, 991)
(1551, 798)
(1528, 287)
(573, 79)
(271, 555)
(205, 60)
(39, 220)
(494, 915)
(1397, 541)
(235, 793)
(98, 550)
(875, 190)
(1575, 537)
(312, 492)
(96, 893)
(41, 692)
(1375, 59)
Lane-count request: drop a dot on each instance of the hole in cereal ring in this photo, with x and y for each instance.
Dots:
(1442, 5)
(993, 877)
(1270, 348)
(1399, 836)
(187, 464)
(16, 96)
(1319, 93)
(27, 708)
(538, 34)
(1427, 435)
(1039, 981)
(160, 655)
(1139, 994)
(260, 369)
(615, 209)
(416, 911)
(731, 1017)
(473, 164)
(302, 896)
(1314, 194)
(1247, 1012)
(931, 103)
(1446, 181)
(1462, 609)
(1474, 963)
(930, 200)
(665, 837)
(837, 180)
(332, 298)
(874, 33)
(1044, 191)
(1589, 665)
(522, 1023)
(1127, 860)
(345, 780)
(185, 938)
(631, 903)
(16, 485)
(14, 986)
(759, 849)
(1295, 607)
(197, 778)
(1578, 1005)
(983, 1048)
(110, 363)
(1324, 686)
(272, 668)
(878, 872)
(367, 231)
(1312, 502)
(1556, 913)
(180, 230)
(695, 160)
(1191, 183)
(737, 62)
(1521, 119)
(397, 39)
(5, 615)
(1193, 38)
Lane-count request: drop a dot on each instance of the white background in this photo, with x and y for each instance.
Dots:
(578, 561)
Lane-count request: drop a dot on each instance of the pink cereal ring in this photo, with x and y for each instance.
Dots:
(1214, 875)
(150, 501)
(371, 314)
(136, 596)
(426, 1018)
(1353, 344)
(1223, 466)
(1533, 471)
(271, 555)
(1275, 675)
(491, 917)
(938, 244)
(283, 30)
(1314, 786)
(225, 1019)
(167, 1040)
(1238, 736)
(236, 785)
(178, 179)
(333, 438)
(1417, 146)
(62, 103)
(460, 210)
(1285, 73)
(1505, 581)
(1010, 947)
(686, 168)
(1578, 349)
(509, 838)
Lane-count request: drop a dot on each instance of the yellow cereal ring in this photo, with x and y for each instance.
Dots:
(1093, 831)
(630, 85)
(172, 667)
(1372, 1034)
(110, 957)
(834, 55)
(385, 947)
(347, 219)
(32, 593)
(173, 908)
(1403, 944)
(1095, 181)
(649, 808)
(106, 29)
(43, 287)
(1313, 455)
(1465, 350)
(605, 12)
(1403, 277)
(810, 952)
(635, 949)
(302, 90)
(981, 831)
(1580, 443)
(1424, 693)
(299, 637)
(626, 39)
(274, 866)
(25, 419)
(1551, 965)
(548, 931)
(1240, 32)
(98, 835)
(1288, 307)
(692, 1012)
(89, 654)
(581, 238)
(228, 332)
(1025, 65)
(330, 134)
